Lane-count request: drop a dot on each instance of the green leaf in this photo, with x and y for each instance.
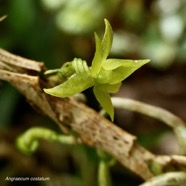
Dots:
(75, 84)
(111, 64)
(97, 61)
(104, 99)
(107, 40)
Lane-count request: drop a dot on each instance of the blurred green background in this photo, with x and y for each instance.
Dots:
(56, 31)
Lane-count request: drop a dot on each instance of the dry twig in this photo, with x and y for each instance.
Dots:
(93, 129)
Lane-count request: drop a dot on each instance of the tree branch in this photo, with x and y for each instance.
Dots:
(69, 114)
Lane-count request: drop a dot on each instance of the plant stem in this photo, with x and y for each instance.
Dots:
(161, 114)
(171, 178)
(28, 142)
(103, 173)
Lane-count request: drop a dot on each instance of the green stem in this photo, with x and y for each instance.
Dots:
(105, 162)
(28, 142)
(103, 173)
(161, 114)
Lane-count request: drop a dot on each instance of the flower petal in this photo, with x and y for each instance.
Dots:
(97, 60)
(120, 74)
(104, 99)
(111, 64)
(104, 76)
(75, 84)
(102, 49)
(107, 40)
(113, 88)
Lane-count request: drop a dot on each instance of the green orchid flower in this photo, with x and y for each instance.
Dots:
(105, 75)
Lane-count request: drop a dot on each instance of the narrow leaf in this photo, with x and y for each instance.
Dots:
(111, 64)
(97, 61)
(75, 84)
(104, 99)
(107, 40)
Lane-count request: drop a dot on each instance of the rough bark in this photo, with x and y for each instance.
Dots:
(93, 129)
